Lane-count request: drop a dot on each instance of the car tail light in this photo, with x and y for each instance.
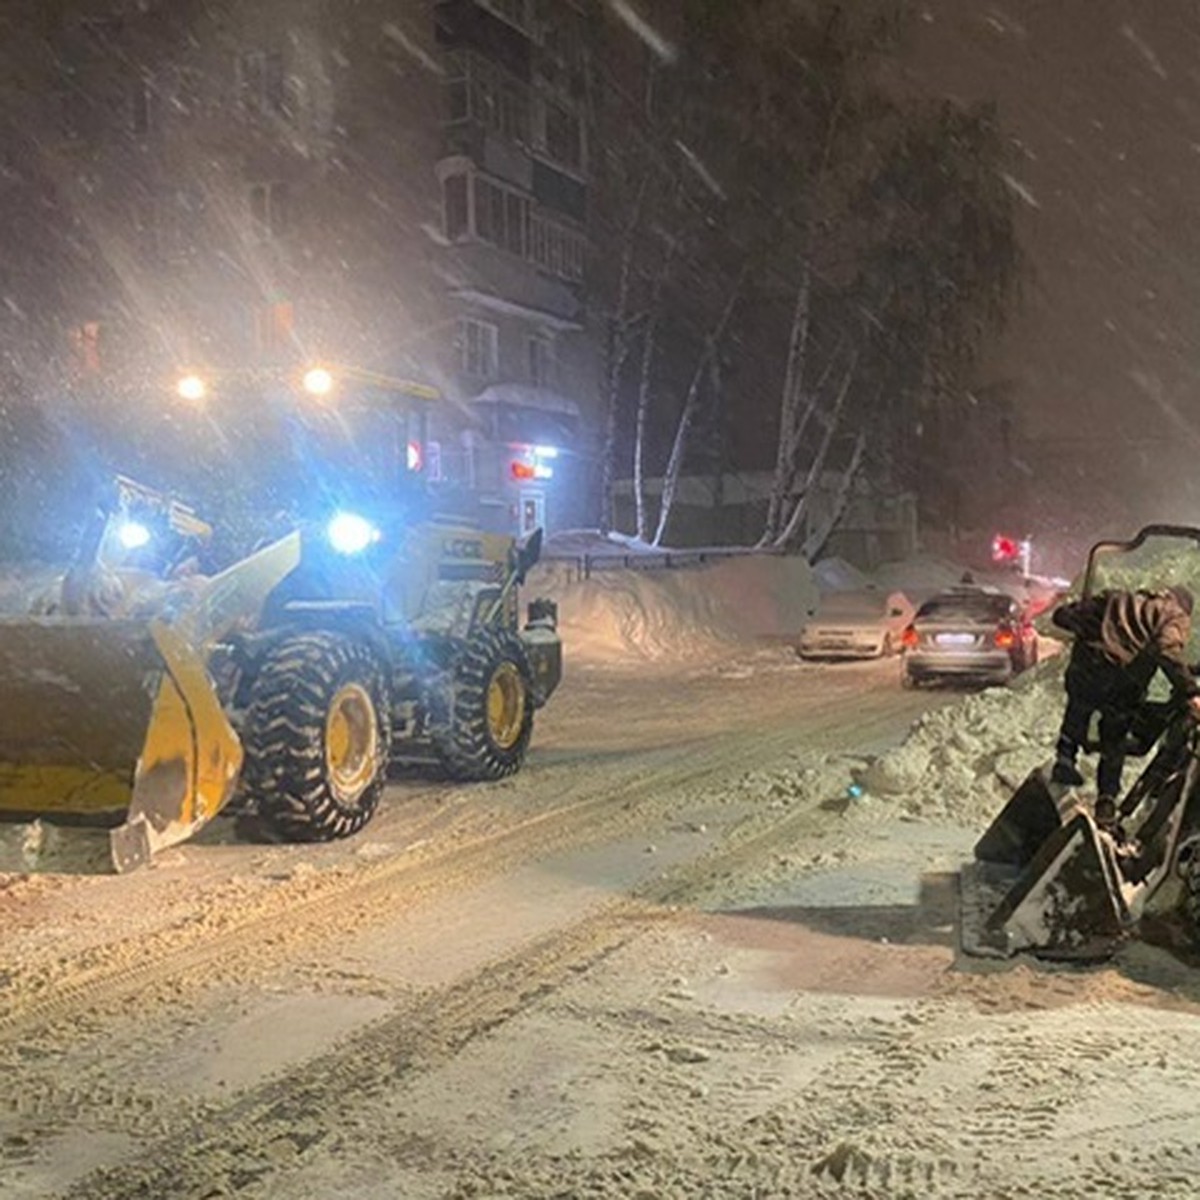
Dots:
(909, 638)
(1005, 639)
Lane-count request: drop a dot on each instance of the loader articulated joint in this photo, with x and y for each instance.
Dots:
(543, 648)
(543, 614)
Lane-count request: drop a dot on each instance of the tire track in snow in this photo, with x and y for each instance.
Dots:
(243, 1144)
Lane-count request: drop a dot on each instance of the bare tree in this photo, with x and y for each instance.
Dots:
(831, 420)
(818, 538)
(789, 402)
(618, 349)
(687, 416)
(646, 384)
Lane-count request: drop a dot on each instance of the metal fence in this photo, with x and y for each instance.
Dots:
(583, 566)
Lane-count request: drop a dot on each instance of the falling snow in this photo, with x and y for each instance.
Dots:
(644, 30)
(1020, 189)
(1148, 55)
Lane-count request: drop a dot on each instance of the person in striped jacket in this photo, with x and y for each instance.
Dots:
(1122, 639)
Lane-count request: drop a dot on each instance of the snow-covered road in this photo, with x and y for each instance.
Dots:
(673, 958)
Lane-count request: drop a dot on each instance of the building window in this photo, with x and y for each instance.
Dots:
(71, 112)
(433, 462)
(269, 209)
(479, 348)
(260, 80)
(145, 224)
(482, 91)
(141, 107)
(501, 216)
(179, 215)
(560, 135)
(541, 361)
(456, 203)
(513, 12)
(458, 89)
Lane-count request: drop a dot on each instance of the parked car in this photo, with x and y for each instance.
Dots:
(972, 634)
(863, 624)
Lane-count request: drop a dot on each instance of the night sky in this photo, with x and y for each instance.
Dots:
(1102, 100)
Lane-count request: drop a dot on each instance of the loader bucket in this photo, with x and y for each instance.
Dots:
(1045, 879)
(112, 730)
(111, 734)
(1023, 825)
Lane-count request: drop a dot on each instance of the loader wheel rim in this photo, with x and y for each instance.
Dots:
(506, 705)
(351, 743)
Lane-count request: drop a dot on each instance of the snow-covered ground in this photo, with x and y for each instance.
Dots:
(702, 946)
(677, 957)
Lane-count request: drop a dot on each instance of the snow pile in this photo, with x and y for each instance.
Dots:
(837, 575)
(920, 577)
(21, 586)
(618, 613)
(682, 613)
(962, 763)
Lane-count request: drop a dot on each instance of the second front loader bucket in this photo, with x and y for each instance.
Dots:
(1045, 879)
(108, 726)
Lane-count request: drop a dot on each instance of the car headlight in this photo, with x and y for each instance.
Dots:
(349, 533)
(133, 535)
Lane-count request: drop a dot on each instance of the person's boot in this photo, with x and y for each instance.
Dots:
(1065, 772)
(1105, 813)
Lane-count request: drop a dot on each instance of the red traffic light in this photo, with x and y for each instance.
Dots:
(1005, 549)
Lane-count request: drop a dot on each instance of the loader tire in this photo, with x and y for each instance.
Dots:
(318, 737)
(487, 719)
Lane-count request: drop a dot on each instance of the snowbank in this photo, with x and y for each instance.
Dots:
(682, 613)
(19, 587)
(919, 577)
(962, 763)
(837, 575)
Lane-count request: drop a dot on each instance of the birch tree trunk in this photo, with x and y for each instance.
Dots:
(789, 400)
(690, 404)
(817, 466)
(617, 355)
(649, 348)
(643, 407)
(818, 539)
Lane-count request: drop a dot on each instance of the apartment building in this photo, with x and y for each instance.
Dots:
(514, 182)
(392, 187)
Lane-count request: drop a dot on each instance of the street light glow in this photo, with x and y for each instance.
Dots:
(318, 381)
(192, 388)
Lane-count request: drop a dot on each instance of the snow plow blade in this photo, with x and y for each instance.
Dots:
(1044, 880)
(113, 744)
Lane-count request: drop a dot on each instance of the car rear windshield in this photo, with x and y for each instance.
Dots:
(976, 609)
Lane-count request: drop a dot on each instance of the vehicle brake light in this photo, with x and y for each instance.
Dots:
(1005, 639)
(909, 638)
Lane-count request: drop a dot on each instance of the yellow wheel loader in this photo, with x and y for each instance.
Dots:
(1048, 879)
(142, 696)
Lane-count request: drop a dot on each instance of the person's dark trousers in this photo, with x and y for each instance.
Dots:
(1096, 685)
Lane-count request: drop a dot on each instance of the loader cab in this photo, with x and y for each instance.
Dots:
(365, 449)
